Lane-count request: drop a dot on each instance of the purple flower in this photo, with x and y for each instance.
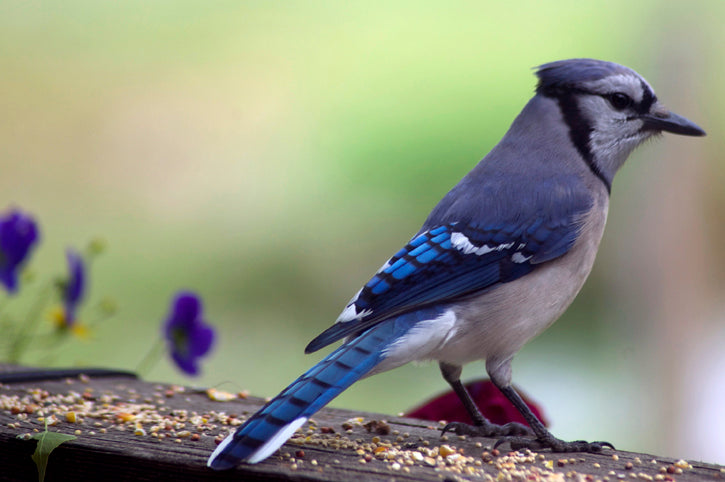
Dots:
(189, 337)
(18, 233)
(74, 287)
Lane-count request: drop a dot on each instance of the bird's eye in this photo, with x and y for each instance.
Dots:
(619, 100)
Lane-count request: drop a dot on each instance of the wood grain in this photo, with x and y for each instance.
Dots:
(333, 449)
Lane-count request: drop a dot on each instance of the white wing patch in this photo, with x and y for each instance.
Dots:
(350, 312)
(520, 258)
(461, 242)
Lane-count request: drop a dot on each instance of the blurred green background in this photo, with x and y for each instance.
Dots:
(271, 156)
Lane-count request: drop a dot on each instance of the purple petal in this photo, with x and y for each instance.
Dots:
(201, 340)
(9, 278)
(77, 277)
(18, 234)
(187, 365)
(185, 310)
(75, 287)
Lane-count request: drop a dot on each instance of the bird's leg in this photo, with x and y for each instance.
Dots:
(481, 426)
(544, 438)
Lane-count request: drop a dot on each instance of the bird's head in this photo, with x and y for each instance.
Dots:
(610, 109)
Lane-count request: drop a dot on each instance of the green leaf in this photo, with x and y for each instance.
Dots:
(47, 442)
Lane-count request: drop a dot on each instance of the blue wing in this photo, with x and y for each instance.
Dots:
(451, 261)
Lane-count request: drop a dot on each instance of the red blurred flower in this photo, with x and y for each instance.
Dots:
(489, 399)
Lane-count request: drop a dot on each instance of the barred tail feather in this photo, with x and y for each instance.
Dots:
(268, 429)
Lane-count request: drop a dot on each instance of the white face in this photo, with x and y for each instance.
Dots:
(613, 106)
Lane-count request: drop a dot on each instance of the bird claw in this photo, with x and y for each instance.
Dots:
(553, 443)
(511, 429)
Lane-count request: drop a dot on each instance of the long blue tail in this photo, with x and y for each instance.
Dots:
(271, 426)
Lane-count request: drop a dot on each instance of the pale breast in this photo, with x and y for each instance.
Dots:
(499, 322)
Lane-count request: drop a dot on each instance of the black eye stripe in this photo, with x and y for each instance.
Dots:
(648, 98)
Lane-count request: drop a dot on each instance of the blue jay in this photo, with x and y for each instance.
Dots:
(498, 260)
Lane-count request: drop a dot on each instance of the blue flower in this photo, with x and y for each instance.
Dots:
(18, 234)
(188, 336)
(74, 288)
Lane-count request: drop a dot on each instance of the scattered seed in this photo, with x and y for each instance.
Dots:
(445, 451)
(379, 427)
(219, 395)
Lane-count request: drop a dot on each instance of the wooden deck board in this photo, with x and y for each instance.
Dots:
(108, 447)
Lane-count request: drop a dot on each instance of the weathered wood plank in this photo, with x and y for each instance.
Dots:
(133, 430)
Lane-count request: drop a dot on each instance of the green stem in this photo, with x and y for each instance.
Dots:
(28, 329)
(52, 339)
(151, 358)
(100, 318)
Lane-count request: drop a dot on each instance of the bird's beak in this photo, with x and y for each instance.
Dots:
(660, 119)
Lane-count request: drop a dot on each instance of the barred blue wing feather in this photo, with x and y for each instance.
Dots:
(449, 262)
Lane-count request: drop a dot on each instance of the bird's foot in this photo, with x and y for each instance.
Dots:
(553, 443)
(487, 429)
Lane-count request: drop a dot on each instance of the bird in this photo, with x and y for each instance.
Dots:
(496, 262)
